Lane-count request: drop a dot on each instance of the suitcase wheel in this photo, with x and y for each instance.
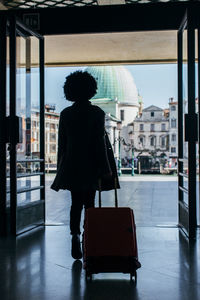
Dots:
(133, 275)
(88, 276)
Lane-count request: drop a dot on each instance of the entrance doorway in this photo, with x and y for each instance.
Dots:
(153, 193)
(191, 204)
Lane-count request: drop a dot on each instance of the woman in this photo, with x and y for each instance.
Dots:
(84, 152)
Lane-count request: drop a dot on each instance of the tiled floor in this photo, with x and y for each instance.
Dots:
(38, 266)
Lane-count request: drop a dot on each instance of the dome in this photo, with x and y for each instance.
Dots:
(114, 83)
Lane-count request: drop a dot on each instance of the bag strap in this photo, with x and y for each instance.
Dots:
(116, 198)
(100, 193)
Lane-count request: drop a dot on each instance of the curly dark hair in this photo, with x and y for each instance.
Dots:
(80, 85)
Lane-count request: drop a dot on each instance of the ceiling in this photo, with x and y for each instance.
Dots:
(15, 4)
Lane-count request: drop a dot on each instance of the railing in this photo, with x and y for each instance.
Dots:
(27, 174)
(27, 189)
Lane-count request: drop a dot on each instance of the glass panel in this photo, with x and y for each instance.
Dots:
(28, 183)
(197, 82)
(28, 109)
(7, 114)
(185, 111)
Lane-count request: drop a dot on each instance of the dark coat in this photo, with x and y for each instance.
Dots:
(84, 152)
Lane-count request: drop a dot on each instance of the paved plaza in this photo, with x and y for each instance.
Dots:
(153, 198)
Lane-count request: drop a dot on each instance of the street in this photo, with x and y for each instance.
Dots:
(153, 198)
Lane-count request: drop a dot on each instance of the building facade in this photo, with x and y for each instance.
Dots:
(30, 145)
(51, 135)
(151, 132)
(133, 130)
(173, 132)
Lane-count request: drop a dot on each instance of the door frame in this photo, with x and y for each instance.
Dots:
(3, 138)
(11, 27)
(187, 212)
(191, 83)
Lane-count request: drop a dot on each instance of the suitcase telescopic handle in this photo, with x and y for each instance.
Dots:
(116, 198)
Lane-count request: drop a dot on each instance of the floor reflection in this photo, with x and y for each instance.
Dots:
(98, 289)
(23, 265)
(76, 288)
(189, 263)
(117, 289)
(38, 266)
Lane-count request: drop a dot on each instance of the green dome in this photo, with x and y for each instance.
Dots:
(114, 83)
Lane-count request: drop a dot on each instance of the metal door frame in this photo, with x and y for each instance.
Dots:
(198, 91)
(187, 213)
(8, 215)
(3, 219)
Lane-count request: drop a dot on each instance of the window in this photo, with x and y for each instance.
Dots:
(34, 123)
(141, 127)
(162, 141)
(152, 127)
(122, 115)
(173, 123)
(173, 149)
(152, 113)
(47, 125)
(28, 148)
(163, 128)
(52, 137)
(52, 148)
(52, 126)
(141, 140)
(152, 141)
(173, 137)
(173, 107)
(28, 125)
(28, 137)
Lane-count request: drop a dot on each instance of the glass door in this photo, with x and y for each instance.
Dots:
(187, 127)
(25, 120)
(198, 111)
(3, 133)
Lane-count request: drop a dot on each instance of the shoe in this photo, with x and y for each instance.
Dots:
(76, 247)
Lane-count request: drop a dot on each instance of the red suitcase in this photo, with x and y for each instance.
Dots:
(109, 240)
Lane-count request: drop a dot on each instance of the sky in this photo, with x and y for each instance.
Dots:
(155, 83)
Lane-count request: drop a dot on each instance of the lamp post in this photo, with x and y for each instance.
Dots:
(132, 162)
(132, 153)
(119, 127)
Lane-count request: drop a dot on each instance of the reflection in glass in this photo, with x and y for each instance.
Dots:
(7, 114)
(28, 109)
(197, 82)
(26, 198)
(185, 111)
